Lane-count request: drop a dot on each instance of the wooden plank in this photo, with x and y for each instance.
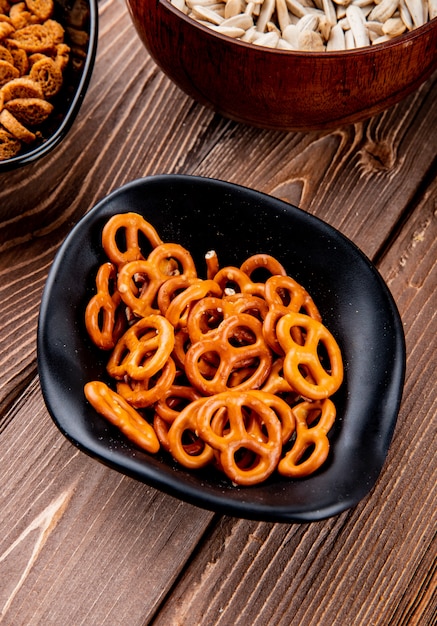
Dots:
(106, 547)
(345, 570)
(109, 549)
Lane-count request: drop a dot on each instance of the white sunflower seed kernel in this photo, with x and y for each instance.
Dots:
(310, 41)
(284, 45)
(265, 15)
(394, 27)
(268, 40)
(295, 7)
(291, 35)
(308, 22)
(357, 22)
(238, 21)
(282, 14)
(233, 8)
(349, 40)
(336, 39)
(384, 10)
(416, 9)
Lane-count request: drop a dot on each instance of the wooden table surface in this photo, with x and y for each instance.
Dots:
(82, 544)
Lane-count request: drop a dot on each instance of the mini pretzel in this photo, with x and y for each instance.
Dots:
(186, 423)
(120, 413)
(128, 226)
(262, 261)
(206, 315)
(276, 383)
(180, 306)
(284, 295)
(171, 287)
(320, 383)
(174, 400)
(283, 412)
(143, 393)
(289, 294)
(175, 256)
(309, 437)
(161, 428)
(225, 344)
(103, 319)
(138, 283)
(143, 349)
(234, 280)
(236, 438)
(181, 345)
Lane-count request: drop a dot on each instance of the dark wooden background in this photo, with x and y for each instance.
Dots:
(81, 544)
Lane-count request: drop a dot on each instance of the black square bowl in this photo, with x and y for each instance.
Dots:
(356, 305)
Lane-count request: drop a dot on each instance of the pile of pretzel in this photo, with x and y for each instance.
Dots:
(230, 370)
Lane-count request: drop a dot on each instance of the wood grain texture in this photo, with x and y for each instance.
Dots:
(80, 533)
(79, 543)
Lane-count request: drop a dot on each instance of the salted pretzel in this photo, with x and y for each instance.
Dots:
(181, 346)
(172, 259)
(206, 315)
(309, 437)
(174, 399)
(264, 262)
(303, 368)
(171, 288)
(161, 428)
(179, 308)
(275, 382)
(103, 317)
(129, 227)
(230, 345)
(138, 283)
(235, 437)
(143, 349)
(185, 425)
(233, 280)
(144, 393)
(283, 411)
(284, 295)
(121, 414)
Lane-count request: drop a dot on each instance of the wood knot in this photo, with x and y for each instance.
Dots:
(378, 156)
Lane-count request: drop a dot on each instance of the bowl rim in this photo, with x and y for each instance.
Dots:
(405, 39)
(68, 120)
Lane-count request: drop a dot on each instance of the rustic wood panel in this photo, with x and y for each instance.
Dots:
(81, 544)
(106, 547)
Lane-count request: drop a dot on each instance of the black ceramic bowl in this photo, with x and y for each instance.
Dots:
(203, 214)
(80, 21)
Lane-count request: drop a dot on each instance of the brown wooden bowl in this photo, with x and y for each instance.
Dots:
(279, 89)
